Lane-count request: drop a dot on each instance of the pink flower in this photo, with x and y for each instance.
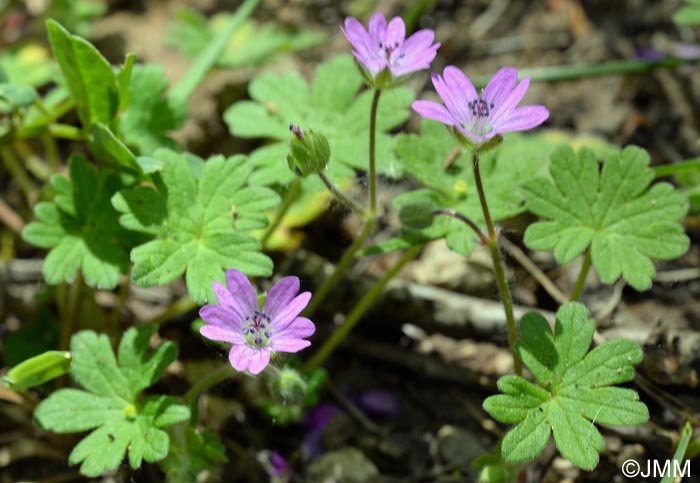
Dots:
(254, 333)
(477, 118)
(384, 53)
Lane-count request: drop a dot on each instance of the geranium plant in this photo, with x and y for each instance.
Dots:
(115, 203)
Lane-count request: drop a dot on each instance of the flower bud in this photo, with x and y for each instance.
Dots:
(289, 386)
(417, 215)
(309, 151)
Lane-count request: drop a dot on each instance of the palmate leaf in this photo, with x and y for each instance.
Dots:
(79, 229)
(574, 389)
(330, 105)
(201, 215)
(110, 405)
(614, 211)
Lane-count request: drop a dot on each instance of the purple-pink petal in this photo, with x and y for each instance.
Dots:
(253, 359)
(222, 316)
(377, 28)
(293, 308)
(290, 345)
(433, 110)
(395, 33)
(418, 52)
(458, 82)
(357, 36)
(510, 102)
(300, 328)
(455, 100)
(280, 295)
(245, 300)
(222, 334)
(500, 86)
(524, 118)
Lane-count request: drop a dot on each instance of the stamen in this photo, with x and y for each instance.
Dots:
(257, 331)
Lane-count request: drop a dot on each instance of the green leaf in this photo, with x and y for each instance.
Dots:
(89, 76)
(28, 64)
(614, 211)
(687, 15)
(150, 115)
(110, 405)
(16, 96)
(192, 453)
(574, 389)
(201, 215)
(330, 106)
(79, 228)
(109, 149)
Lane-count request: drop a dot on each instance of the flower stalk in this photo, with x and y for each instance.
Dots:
(581, 280)
(340, 269)
(501, 281)
(372, 153)
(364, 304)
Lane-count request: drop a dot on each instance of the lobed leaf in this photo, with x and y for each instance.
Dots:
(201, 215)
(110, 404)
(613, 212)
(330, 105)
(78, 227)
(573, 391)
(150, 114)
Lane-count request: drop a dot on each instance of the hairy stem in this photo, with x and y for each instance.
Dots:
(503, 289)
(483, 239)
(340, 268)
(292, 195)
(30, 190)
(372, 153)
(364, 304)
(340, 196)
(72, 307)
(581, 280)
(180, 307)
(209, 381)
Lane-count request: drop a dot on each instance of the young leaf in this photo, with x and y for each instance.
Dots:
(150, 114)
(201, 215)
(109, 405)
(79, 228)
(109, 149)
(89, 76)
(38, 370)
(614, 211)
(331, 106)
(574, 389)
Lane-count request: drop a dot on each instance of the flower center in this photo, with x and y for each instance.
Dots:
(258, 330)
(387, 51)
(480, 110)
